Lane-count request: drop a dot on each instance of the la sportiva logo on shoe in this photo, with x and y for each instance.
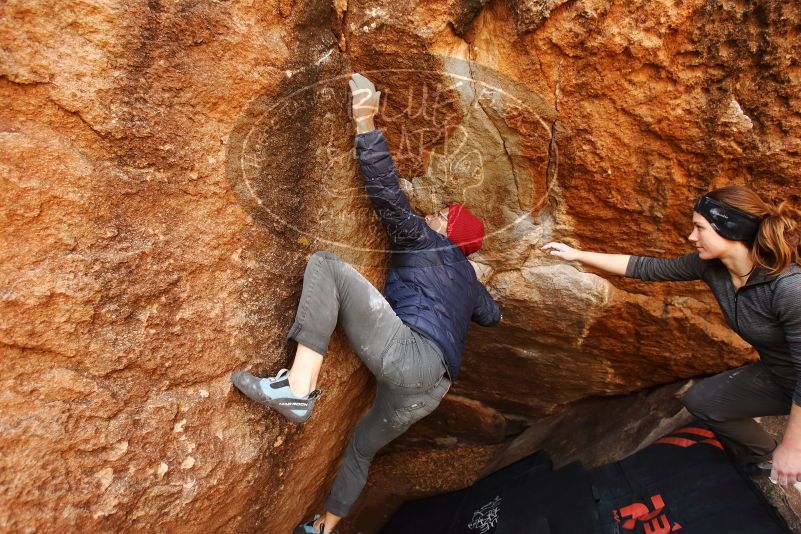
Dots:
(303, 404)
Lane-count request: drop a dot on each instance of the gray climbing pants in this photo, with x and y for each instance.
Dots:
(728, 402)
(408, 367)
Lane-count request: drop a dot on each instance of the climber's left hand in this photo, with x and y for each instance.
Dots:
(365, 98)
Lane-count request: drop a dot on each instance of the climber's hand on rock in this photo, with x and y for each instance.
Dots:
(786, 465)
(365, 101)
(560, 250)
(365, 97)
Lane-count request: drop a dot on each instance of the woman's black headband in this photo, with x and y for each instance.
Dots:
(728, 221)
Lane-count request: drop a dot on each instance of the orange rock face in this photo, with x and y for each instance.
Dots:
(169, 166)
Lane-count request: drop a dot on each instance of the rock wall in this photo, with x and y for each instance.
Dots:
(167, 168)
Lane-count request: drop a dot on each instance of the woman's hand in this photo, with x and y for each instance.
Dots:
(365, 102)
(786, 466)
(560, 250)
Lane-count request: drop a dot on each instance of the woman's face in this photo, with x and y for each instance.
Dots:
(439, 221)
(709, 243)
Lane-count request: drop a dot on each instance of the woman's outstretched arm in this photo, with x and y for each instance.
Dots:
(611, 263)
(681, 269)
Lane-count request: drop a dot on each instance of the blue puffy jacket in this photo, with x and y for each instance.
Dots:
(430, 285)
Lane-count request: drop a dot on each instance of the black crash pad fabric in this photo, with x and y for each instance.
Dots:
(684, 482)
(563, 499)
(524, 498)
(439, 514)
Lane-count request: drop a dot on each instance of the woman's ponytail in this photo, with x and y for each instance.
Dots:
(776, 245)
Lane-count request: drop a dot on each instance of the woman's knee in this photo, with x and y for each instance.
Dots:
(699, 402)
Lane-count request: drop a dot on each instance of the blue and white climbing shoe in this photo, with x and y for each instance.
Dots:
(275, 393)
(308, 528)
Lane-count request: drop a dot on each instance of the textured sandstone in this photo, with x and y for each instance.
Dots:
(167, 168)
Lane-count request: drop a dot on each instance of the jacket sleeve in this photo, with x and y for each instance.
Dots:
(787, 308)
(681, 269)
(486, 311)
(405, 227)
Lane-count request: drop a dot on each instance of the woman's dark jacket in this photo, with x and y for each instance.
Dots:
(766, 311)
(430, 285)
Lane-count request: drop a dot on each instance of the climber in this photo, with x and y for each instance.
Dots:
(411, 340)
(747, 252)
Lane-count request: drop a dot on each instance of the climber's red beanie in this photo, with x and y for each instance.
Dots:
(465, 229)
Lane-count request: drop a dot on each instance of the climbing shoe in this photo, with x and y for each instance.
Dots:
(758, 469)
(275, 393)
(308, 528)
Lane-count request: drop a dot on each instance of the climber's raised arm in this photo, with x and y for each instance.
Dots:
(405, 227)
